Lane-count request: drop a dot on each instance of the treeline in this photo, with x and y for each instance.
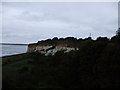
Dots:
(95, 65)
(75, 41)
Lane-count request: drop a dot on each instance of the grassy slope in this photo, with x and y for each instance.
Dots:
(96, 64)
(12, 65)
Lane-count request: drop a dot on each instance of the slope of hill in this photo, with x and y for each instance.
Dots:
(95, 65)
(48, 47)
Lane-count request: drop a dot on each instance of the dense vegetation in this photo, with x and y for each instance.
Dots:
(95, 65)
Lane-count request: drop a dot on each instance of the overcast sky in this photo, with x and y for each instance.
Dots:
(31, 22)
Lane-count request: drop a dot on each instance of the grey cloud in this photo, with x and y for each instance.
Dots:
(30, 22)
(31, 16)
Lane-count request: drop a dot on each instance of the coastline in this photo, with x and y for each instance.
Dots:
(12, 44)
(11, 55)
(12, 49)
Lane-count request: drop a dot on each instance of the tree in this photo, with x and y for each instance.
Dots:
(102, 39)
(118, 35)
(116, 38)
(54, 40)
(113, 39)
(118, 32)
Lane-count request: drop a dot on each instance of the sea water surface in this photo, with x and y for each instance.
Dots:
(12, 49)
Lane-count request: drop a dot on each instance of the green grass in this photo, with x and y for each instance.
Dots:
(12, 71)
(14, 67)
(96, 64)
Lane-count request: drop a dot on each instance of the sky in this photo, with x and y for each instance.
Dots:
(29, 22)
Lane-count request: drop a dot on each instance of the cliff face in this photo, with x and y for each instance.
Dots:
(48, 49)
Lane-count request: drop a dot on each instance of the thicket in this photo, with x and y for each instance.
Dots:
(95, 65)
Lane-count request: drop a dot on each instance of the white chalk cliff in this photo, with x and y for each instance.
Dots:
(50, 49)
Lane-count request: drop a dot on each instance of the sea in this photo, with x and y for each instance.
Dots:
(8, 50)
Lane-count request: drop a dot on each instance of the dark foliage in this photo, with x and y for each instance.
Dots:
(95, 65)
(118, 36)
